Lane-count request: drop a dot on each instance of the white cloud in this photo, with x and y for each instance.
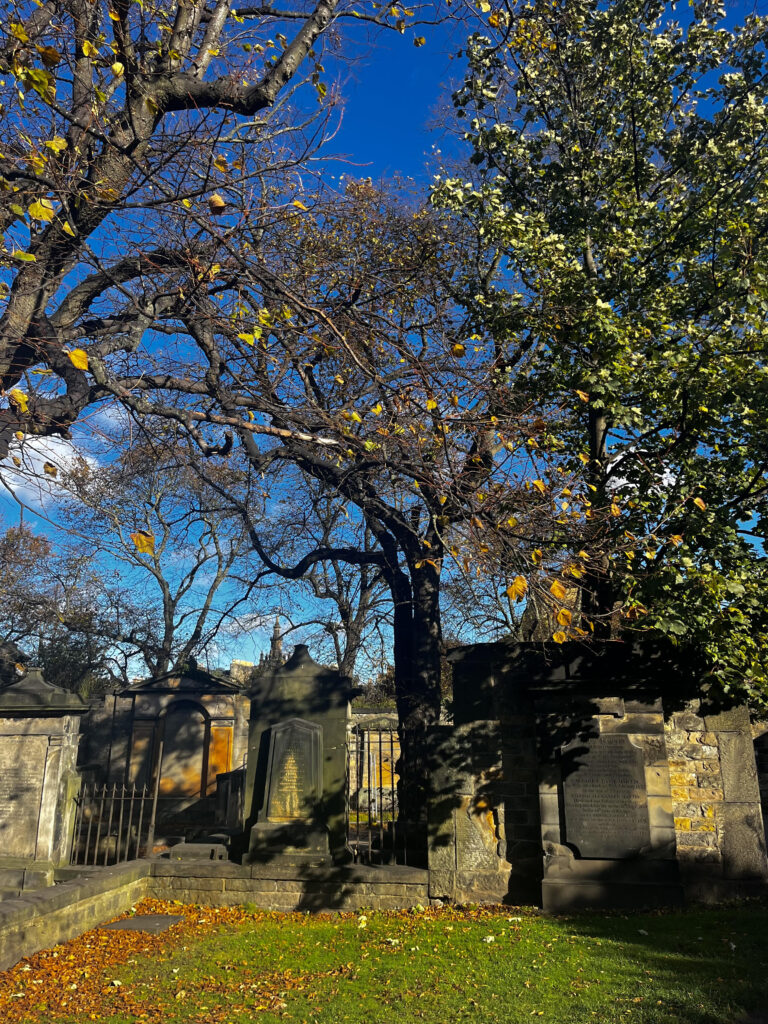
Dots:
(29, 482)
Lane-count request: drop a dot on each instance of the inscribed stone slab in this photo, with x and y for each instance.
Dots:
(604, 795)
(22, 763)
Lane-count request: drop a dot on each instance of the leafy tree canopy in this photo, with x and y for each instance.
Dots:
(620, 199)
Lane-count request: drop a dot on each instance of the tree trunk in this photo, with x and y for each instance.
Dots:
(417, 650)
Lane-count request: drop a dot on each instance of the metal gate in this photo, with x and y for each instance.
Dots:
(372, 755)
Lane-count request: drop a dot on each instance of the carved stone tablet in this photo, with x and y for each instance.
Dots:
(295, 771)
(606, 808)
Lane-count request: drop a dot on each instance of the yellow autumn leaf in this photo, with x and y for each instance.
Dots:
(89, 49)
(144, 541)
(57, 144)
(220, 163)
(536, 556)
(582, 395)
(431, 404)
(584, 458)
(118, 69)
(79, 358)
(558, 590)
(564, 617)
(20, 400)
(50, 470)
(540, 486)
(299, 205)
(19, 435)
(676, 539)
(66, 227)
(699, 503)
(615, 510)
(217, 204)
(377, 409)
(458, 350)
(41, 209)
(559, 637)
(16, 460)
(517, 588)
(249, 339)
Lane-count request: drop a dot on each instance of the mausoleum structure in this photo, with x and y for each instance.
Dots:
(178, 732)
(39, 728)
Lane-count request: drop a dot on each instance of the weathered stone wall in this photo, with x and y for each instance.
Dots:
(41, 919)
(285, 888)
(718, 819)
(642, 797)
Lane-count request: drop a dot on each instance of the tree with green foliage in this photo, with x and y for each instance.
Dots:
(620, 199)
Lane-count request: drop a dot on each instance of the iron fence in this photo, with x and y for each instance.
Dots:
(372, 755)
(113, 824)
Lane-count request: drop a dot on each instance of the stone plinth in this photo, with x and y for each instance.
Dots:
(39, 726)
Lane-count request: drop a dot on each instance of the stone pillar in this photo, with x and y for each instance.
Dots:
(718, 816)
(39, 726)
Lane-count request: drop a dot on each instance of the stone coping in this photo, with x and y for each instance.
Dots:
(32, 695)
(41, 918)
(93, 882)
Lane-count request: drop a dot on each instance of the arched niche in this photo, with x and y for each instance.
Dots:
(182, 749)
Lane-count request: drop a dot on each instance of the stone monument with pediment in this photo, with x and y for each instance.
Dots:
(39, 730)
(295, 784)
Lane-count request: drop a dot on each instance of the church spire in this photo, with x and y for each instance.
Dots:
(276, 645)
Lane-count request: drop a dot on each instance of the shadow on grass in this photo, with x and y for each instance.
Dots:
(718, 957)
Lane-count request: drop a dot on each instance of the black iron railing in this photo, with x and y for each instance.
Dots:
(113, 823)
(372, 755)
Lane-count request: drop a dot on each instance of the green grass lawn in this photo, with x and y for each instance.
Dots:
(697, 967)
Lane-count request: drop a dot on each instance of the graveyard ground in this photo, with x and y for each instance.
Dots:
(232, 966)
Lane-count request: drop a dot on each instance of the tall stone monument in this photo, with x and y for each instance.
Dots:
(39, 727)
(296, 779)
(615, 785)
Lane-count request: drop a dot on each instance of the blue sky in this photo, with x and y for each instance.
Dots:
(391, 94)
(392, 91)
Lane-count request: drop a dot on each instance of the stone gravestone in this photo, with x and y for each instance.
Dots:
(293, 823)
(605, 800)
(297, 763)
(39, 727)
